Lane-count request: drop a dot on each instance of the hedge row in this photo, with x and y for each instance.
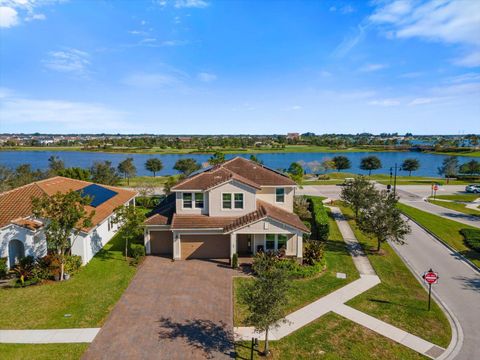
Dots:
(472, 238)
(320, 229)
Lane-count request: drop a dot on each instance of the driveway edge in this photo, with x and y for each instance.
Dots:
(456, 342)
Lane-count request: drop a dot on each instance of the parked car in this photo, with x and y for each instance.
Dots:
(472, 188)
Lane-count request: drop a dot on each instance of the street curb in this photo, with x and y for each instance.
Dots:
(456, 342)
(448, 246)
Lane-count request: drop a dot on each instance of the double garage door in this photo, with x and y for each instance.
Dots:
(192, 246)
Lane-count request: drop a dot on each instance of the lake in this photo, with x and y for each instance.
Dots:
(39, 159)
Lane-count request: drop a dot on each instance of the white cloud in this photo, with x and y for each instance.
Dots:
(347, 9)
(69, 61)
(350, 41)
(69, 115)
(153, 80)
(421, 101)
(373, 67)
(8, 17)
(191, 4)
(385, 102)
(296, 107)
(206, 77)
(36, 17)
(447, 21)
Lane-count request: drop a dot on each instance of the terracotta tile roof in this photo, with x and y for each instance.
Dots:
(211, 178)
(240, 169)
(200, 222)
(156, 219)
(28, 223)
(266, 210)
(257, 173)
(16, 203)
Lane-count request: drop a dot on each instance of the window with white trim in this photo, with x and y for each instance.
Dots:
(270, 242)
(281, 242)
(187, 200)
(238, 204)
(280, 195)
(199, 200)
(226, 201)
(275, 242)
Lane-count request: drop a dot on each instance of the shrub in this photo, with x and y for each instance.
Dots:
(48, 267)
(24, 269)
(235, 261)
(148, 202)
(72, 264)
(298, 271)
(137, 251)
(323, 177)
(320, 228)
(472, 238)
(312, 252)
(301, 208)
(3, 267)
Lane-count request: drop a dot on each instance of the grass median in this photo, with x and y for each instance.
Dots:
(446, 229)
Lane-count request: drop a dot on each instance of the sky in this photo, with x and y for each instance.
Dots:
(239, 67)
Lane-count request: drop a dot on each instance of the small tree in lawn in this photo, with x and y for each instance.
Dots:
(410, 165)
(296, 172)
(449, 167)
(472, 167)
(103, 172)
(370, 163)
(359, 194)
(127, 168)
(131, 219)
(266, 296)
(383, 219)
(187, 166)
(154, 165)
(65, 216)
(341, 163)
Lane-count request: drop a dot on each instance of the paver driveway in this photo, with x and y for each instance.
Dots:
(171, 310)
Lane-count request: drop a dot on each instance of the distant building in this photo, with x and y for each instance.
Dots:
(293, 136)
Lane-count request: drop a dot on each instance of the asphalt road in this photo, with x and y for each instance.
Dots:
(458, 287)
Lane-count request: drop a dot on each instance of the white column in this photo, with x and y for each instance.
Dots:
(233, 244)
(146, 241)
(177, 255)
(300, 245)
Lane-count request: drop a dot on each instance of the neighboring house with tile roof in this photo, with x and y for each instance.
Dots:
(239, 206)
(22, 235)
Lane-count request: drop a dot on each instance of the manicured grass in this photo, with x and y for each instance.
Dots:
(456, 206)
(88, 297)
(466, 197)
(332, 337)
(399, 300)
(459, 153)
(144, 180)
(446, 229)
(305, 291)
(42, 351)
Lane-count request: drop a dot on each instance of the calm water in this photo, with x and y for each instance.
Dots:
(39, 159)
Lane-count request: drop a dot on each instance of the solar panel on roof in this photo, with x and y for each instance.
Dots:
(97, 193)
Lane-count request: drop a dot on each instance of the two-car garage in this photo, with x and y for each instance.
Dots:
(191, 246)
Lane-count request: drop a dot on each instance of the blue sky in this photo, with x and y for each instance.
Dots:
(233, 67)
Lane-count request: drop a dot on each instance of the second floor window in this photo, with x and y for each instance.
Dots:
(187, 200)
(199, 200)
(226, 201)
(280, 195)
(238, 201)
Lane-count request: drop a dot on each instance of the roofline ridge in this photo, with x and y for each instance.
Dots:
(23, 186)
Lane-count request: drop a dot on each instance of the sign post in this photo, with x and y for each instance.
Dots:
(435, 188)
(430, 278)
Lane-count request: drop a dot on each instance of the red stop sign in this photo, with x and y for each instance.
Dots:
(435, 187)
(431, 277)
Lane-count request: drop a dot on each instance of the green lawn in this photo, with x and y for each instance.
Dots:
(88, 297)
(446, 229)
(332, 337)
(399, 300)
(456, 206)
(144, 180)
(465, 197)
(42, 351)
(305, 291)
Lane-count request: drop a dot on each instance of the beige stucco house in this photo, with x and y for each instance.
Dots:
(237, 207)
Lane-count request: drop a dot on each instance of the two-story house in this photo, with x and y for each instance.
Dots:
(237, 207)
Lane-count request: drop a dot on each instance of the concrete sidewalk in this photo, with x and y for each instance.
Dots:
(50, 336)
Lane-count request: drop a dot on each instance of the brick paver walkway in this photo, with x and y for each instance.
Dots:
(171, 310)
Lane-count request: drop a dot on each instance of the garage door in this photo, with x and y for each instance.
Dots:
(161, 243)
(205, 246)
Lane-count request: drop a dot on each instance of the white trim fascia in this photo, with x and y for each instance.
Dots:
(232, 180)
(196, 229)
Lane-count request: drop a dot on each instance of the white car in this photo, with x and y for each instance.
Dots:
(472, 188)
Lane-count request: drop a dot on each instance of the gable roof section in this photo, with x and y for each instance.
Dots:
(200, 222)
(240, 169)
(17, 203)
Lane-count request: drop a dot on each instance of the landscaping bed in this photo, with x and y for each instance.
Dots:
(446, 229)
(399, 300)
